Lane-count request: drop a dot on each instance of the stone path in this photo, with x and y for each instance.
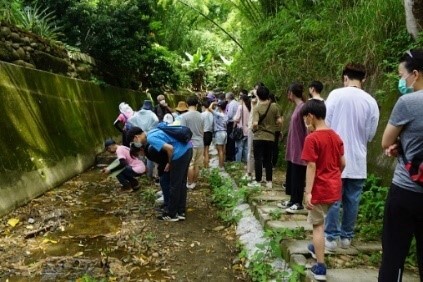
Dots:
(295, 251)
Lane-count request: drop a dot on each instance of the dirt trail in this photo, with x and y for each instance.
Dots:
(89, 227)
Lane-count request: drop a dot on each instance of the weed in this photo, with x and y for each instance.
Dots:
(275, 214)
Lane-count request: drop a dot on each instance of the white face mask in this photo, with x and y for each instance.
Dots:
(163, 102)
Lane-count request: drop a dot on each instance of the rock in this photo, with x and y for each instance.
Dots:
(155, 255)
(34, 45)
(21, 53)
(15, 37)
(219, 228)
(7, 54)
(16, 45)
(5, 32)
(47, 62)
(31, 220)
(26, 40)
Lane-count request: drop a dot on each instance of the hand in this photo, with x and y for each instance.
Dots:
(167, 167)
(392, 151)
(307, 200)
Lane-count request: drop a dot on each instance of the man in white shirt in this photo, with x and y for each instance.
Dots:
(354, 115)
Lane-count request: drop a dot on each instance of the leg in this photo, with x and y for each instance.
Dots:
(267, 159)
(319, 242)
(127, 177)
(332, 228)
(398, 227)
(258, 159)
(206, 156)
(250, 160)
(238, 155)
(165, 185)
(182, 165)
(288, 177)
(221, 154)
(276, 148)
(351, 195)
(230, 145)
(297, 183)
(244, 149)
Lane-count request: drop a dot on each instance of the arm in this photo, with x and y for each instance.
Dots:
(310, 175)
(122, 164)
(389, 139)
(169, 151)
(237, 116)
(117, 124)
(342, 163)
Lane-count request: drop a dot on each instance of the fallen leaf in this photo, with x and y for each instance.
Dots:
(13, 221)
(78, 254)
(45, 241)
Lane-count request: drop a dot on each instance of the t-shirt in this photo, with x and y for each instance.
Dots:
(325, 148)
(266, 128)
(122, 152)
(157, 139)
(193, 120)
(296, 135)
(207, 117)
(220, 121)
(354, 115)
(242, 117)
(408, 112)
(144, 119)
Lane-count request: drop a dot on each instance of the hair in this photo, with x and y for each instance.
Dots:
(296, 89)
(160, 97)
(246, 101)
(413, 60)
(222, 104)
(132, 132)
(134, 151)
(230, 96)
(315, 107)
(263, 93)
(206, 102)
(192, 101)
(272, 98)
(258, 84)
(243, 91)
(354, 71)
(317, 85)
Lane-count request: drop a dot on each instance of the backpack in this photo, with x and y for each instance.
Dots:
(181, 133)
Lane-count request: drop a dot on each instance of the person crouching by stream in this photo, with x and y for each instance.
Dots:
(131, 165)
(178, 158)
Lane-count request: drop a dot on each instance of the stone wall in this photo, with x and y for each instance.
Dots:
(52, 128)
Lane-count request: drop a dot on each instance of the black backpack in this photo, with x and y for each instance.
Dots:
(181, 133)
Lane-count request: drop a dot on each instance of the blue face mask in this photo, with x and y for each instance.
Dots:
(403, 88)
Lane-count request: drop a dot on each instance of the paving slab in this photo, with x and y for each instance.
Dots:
(367, 247)
(293, 224)
(355, 275)
(300, 247)
(271, 196)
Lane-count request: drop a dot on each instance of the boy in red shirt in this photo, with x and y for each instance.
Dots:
(324, 153)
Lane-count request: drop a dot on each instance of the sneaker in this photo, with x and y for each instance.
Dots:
(247, 177)
(345, 243)
(311, 250)
(192, 185)
(319, 271)
(159, 194)
(167, 217)
(136, 188)
(160, 201)
(269, 184)
(157, 181)
(294, 208)
(181, 216)
(285, 204)
(330, 245)
(254, 184)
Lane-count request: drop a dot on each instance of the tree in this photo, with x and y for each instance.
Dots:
(414, 16)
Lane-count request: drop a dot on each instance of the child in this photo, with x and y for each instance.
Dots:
(324, 153)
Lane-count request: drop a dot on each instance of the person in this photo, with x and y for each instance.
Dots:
(250, 155)
(178, 158)
(231, 108)
(147, 120)
(403, 215)
(353, 114)
(126, 113)
(180, 109)
(296, 167)
(315, 89)
(219, 128)
(324, 153)
(265, 117)
(278, 135)
(207, 117)
(158, 157)
(132, 166)
(241, 119)
(162, 108)
(192, 119)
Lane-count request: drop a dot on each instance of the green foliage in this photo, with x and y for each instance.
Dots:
(89, 278)
(287, 233)
(149, 195)
(9, 10)
(276, 214)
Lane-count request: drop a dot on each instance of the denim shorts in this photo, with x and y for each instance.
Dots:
(220, 137)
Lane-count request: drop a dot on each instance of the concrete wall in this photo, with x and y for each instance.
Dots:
(51, 129)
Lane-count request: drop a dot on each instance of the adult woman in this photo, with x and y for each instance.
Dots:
(241, 119)
(126, 113)
(403, 136)
(220, 134)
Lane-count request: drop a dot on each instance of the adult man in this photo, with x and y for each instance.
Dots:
(178, 158)
(132, 166)
(314, 89)
(353, 114)
(231, 109)
(162, 108)
(193, 120)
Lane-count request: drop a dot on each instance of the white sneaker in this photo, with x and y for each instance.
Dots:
(294, 208)
(159, 194)
(192, 185)
(285, 204)
(160, 201)
(269, 184)
(345, 243)
(330, 245)
(254, 184)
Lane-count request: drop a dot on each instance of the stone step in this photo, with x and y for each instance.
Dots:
(357, 274)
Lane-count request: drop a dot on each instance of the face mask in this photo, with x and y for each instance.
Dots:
(163, 102)
(403, 88)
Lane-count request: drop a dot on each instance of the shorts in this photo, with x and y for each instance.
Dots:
(220, 137)
(317, 215)
(208, 137)
(197, 157)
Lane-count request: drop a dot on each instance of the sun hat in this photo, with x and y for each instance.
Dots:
(182, 106)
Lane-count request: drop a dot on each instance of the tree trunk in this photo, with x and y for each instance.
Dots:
(414, 16)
